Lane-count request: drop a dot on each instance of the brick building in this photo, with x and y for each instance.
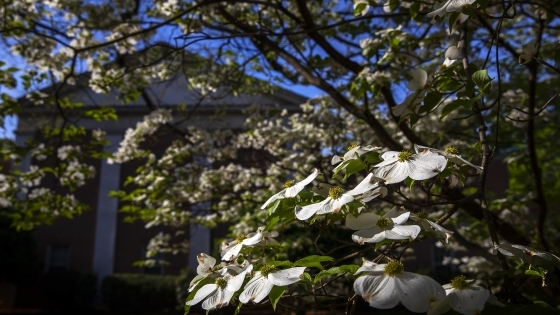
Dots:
(98, 241)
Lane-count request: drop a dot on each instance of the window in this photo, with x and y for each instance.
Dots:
(58, 257)
(442, 259)
(157, 268)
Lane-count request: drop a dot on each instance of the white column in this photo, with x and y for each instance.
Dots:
(107, 211)
(199, 240)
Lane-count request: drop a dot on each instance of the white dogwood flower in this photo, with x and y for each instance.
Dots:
(451, 153)
(451, 55)
(397, 166)
(529, 51)
(264, 280)
(373, 228)
(207, 268)
(231, 250)
(450, 6)
(291, 189)
(419, 80)
(220, 292)
(464, 298)
(367, 189)
(354, 151)
(385, 285)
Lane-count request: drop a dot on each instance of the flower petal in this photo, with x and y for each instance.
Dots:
(231, 252)
(452, 52)
(334, 205)
(256, 289)
(440, 307)
(401, 218)
(416, 292)
(336, 159)
(205, 264)
(371, 235)
(253, 240)
(426, 166)
(308, 211)
(280, 195)
(202, 293)
(379, 291)
(286, 276)
(365, 185)
(400, 232)
(469, 300)
(236, 282)
(394, 173)
(371, 267)
(419, 79)
(214, 301)
(363, 221)
(294, 190)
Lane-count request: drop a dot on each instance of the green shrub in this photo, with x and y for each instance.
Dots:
(139, 292)
(69, 290)
(182, 285)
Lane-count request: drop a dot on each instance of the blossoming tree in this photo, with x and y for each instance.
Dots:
(418, 98)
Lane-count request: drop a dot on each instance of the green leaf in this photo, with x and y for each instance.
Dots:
(372, 158)
(532, 273)
(383, 242)
(340, 167)
(312, 261)
(359, 8)
(353, 167)
(238, 309)
(481, 78)
(449, 109)
(430, 101)
(307, 277)
(282, 263)
(414, 9)
(483, 4)
(272, 208)
(393, 5)
(450, 85)
(272, 221)
(275, 295)
(335, 271)
(409, 182)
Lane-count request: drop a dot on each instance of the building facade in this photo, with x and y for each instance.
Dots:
(99, 241)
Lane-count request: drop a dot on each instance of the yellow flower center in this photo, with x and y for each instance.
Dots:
(393, 268)
(383, 223)
(405, 156)
(266, 269)
(459, 282)
(221, 282)
(335, 192)
(451, 150)
(240, 238)
(422, 215)
(217, 267)
(289, 183)
(352, 146)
